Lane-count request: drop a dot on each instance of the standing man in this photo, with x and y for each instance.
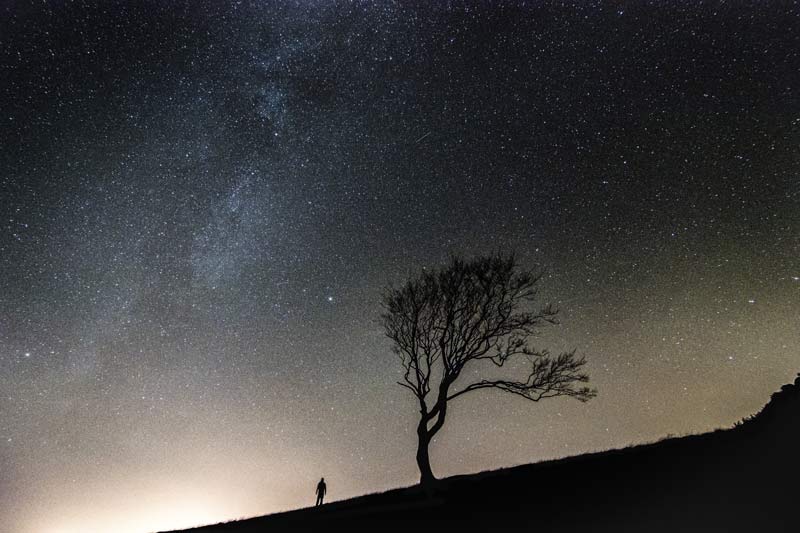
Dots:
(321, 490)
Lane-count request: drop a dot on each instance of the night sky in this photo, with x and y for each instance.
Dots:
(201, 202)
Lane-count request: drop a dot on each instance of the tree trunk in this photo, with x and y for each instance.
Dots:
(423, 458)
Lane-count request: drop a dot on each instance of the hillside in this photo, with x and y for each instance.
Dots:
(740, 479)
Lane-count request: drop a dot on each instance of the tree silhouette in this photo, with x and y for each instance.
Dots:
(467, 314)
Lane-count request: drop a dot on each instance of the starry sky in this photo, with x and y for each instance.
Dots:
(201, 202)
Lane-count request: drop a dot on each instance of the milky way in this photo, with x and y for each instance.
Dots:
(201, 202)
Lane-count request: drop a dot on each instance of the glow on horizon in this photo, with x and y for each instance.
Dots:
(184, 508)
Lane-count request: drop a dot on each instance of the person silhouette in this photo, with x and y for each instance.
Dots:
(321, 490)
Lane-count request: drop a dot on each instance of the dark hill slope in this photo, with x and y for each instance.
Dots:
(740, 479)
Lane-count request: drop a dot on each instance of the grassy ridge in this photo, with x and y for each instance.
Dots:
(741, 479)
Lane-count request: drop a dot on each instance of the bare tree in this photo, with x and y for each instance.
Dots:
(468, 313)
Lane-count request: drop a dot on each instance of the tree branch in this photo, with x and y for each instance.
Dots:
(549, 377)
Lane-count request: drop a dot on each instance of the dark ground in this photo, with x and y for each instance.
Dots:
(741, 479)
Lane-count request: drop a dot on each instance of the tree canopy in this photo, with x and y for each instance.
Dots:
(473, 312)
